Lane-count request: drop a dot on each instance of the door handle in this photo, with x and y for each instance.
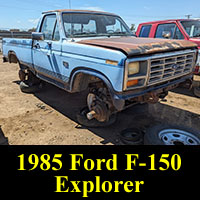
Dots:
(37, 45)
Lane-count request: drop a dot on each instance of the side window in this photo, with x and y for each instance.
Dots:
(163, 28)
(178, 35)
(48, 26)
(145, 30)
(56, 35)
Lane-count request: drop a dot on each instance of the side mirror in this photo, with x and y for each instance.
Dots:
(166, 34)
(37, 36)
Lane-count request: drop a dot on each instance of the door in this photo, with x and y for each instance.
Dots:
(171, 28)
(46, 53)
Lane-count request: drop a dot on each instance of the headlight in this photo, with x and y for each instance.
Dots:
(133, 68)
(135, 75)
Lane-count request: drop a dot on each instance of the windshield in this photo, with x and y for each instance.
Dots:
(94, 25)
(192, 27)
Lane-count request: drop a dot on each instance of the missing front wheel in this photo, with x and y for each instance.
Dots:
(99, 104)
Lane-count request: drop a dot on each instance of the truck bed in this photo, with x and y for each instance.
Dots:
(21, 47)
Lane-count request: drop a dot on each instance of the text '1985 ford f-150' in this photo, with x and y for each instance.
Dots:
(78, 50)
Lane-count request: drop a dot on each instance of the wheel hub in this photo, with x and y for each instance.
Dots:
(98, 108)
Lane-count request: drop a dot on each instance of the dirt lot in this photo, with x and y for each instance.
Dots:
(49, 117)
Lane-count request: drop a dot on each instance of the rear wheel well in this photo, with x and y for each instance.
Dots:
(12, 57)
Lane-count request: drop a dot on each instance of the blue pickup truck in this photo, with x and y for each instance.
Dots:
(80, 50)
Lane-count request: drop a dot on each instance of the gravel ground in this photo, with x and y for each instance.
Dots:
(49, 117)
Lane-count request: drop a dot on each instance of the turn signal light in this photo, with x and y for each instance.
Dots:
(111, 62)
(132, 83)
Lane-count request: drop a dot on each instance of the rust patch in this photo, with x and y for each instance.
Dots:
(134, 46)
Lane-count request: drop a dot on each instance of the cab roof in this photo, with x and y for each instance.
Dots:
(168, 20)
(80, 11)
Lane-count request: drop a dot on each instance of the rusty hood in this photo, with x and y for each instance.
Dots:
(135, 46)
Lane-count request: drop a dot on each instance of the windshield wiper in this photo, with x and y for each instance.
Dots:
(86, 34)
(119, 34)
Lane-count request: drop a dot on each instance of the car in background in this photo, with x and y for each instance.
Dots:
(180, 29)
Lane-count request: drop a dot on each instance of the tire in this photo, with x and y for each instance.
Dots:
(22, 75)
(197, 91)
(4, 141)
(171, 135)
(132, 136)
(84, 121)
(26, 87)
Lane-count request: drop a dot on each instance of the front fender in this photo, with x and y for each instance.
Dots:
(119, 104)
(90, 72)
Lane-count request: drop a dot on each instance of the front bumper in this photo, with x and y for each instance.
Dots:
(120, 98)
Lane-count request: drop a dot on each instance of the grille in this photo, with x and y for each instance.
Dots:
(167, 68)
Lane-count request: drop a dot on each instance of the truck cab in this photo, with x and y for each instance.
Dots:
(179, 29)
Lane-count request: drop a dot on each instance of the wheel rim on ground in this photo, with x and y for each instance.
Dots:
(178, 137)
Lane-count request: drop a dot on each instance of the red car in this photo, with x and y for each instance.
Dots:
(180, 29)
